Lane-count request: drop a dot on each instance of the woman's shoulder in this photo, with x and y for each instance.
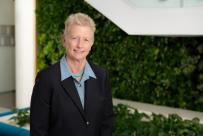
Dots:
(50, 71)
(98, 70)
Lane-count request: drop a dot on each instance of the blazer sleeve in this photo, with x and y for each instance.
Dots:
(107, 123)
(40, 106)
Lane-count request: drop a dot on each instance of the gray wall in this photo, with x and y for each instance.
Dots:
(7, 46)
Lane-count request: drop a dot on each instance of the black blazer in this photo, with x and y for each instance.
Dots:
(56, 109)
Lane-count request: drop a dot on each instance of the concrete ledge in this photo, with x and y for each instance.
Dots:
(150, 108)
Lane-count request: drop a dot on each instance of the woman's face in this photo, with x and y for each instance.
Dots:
(78, 42)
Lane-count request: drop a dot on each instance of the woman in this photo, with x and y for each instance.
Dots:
(73, 97)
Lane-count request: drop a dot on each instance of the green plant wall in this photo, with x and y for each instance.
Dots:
(152, 69)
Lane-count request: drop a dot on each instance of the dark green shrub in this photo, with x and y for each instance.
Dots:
(22, 117)
(140, 124)
(152, 69)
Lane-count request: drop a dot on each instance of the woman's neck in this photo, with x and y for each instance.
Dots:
(75, 66)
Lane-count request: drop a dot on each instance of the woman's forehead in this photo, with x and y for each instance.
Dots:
(80, 30)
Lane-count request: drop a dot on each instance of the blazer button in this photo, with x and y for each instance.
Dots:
(87, 123)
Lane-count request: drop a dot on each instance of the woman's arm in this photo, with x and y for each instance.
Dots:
(107, 123)
(40, 106)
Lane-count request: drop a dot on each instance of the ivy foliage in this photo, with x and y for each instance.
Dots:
(21, 118)
(130, 123)
(152, 69)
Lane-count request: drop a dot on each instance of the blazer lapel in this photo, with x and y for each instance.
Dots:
(69, 86)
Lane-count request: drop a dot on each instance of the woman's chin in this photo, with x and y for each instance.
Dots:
(80, 58)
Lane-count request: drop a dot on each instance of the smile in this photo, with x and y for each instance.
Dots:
(78, 51)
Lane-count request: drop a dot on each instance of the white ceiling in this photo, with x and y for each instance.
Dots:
(164, 3)
(154, 17)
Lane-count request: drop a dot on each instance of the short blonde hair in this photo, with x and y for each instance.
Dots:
(79, 19)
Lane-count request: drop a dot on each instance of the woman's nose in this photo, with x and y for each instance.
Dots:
(79, 43)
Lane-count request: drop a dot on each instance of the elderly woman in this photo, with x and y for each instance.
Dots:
(73, 96)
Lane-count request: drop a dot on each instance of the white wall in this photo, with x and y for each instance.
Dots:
(25, 51)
